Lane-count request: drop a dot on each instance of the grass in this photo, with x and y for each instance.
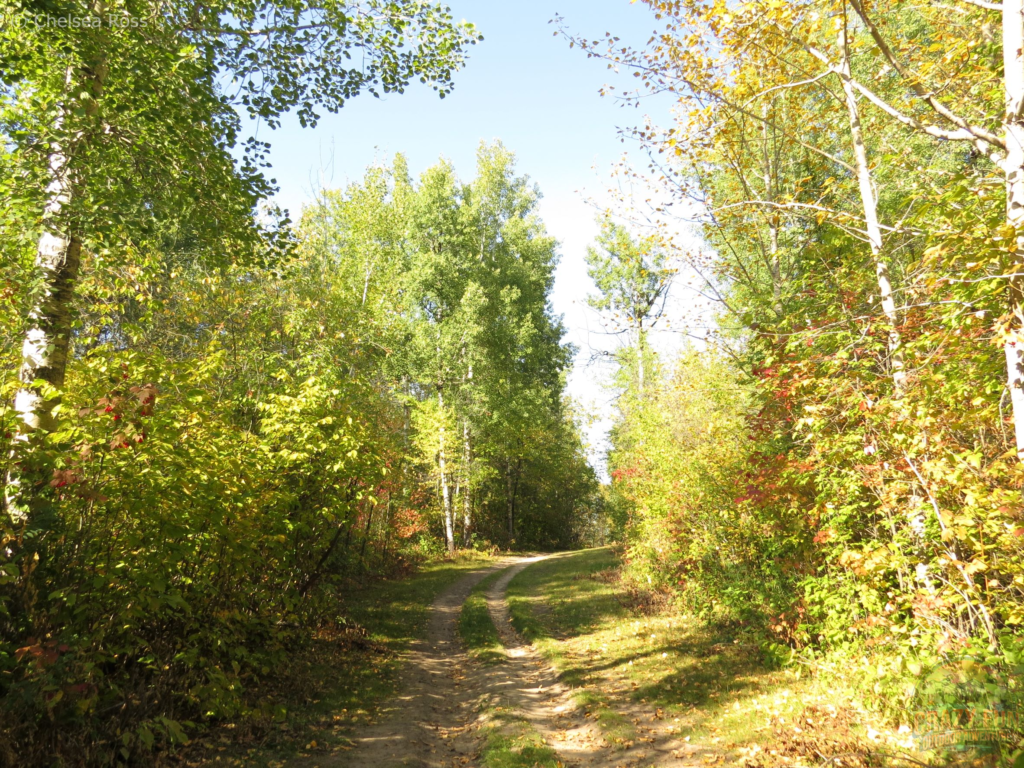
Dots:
(707, 681)
(512, 743)
(344, 678)
(615, 726)
(476, 627)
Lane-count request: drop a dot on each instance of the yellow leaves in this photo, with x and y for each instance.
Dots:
(975, 566)
(865, 562)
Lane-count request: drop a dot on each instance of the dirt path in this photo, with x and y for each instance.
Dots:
(537, 694)
(446, 698)
(547, 703)
(430, 724)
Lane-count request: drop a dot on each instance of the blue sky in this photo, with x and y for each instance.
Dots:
(521, 85)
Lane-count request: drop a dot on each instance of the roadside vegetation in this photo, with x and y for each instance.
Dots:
(835, 464)
(626, 656)
(216, 423)
(639, 665)
(229, 439)
(346, 677)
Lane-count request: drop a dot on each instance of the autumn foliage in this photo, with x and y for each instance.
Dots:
(835, 466)
(242, 447)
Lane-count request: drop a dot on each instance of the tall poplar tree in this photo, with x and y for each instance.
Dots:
(633, 278)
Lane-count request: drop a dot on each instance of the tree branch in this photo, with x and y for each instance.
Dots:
(926, 96)
(982, 4)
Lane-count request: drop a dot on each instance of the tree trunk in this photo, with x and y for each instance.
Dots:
(467, 502)
(366, 535)
(510, 502)
(446, 500)
(44, 351)
(774, 263)
(512, 487)
(640, 339)
(870, 205)
(1013, 169)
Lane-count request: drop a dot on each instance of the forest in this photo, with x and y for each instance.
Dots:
(221, 428)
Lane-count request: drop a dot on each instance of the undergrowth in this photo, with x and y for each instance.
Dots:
(343, 679)
(628, 654)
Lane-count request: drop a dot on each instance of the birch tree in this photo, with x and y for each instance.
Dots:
(445, 302)
(916, 87)
(113, 154)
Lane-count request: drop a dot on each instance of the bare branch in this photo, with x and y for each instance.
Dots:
(982, 4)
(807, 206)
(926, 96)
(797, 84)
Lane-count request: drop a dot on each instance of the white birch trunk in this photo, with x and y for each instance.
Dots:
(1013, 169)
(640, 359)
(774, 263)
(511, 503)
(44, 351)
(869, 203)
(466, 501)
(446, 500)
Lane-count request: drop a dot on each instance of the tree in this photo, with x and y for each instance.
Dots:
(120, 121)
(484, 346)
(633, 279)
(519, 379)
(843, 162)
(241, 447)
(445, 304)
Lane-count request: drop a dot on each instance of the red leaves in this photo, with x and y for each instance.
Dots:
(824, 535)
(63, 477)
(145, 394)
(624, 474)
(138, 401)
(41, 655)
(409, 522)
(128, 407)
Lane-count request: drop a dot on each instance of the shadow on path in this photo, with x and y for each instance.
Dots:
(447, 699)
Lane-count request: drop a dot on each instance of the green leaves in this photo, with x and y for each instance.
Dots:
(810, 492)
(632, 276)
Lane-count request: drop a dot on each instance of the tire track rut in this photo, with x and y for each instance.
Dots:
(437, 720)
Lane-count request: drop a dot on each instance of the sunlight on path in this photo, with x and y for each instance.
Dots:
(549, 706)
(428, 724)
(452, 707)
